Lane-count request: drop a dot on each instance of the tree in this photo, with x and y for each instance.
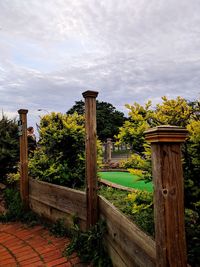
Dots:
(108, 118)
(9, 147)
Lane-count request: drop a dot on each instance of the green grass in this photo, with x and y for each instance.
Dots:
(126, 179)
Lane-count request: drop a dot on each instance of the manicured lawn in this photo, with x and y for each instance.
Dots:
(126, 179)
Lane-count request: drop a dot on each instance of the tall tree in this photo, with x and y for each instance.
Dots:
(108, 118)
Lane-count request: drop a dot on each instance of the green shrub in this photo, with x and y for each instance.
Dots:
(59, 229)
(89, 245)
(61, 156)
(12, 178)
(9, 147)
(15, 209)
(139, 205)
(139, 165)
(192, 227)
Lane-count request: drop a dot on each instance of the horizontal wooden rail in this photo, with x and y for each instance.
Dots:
(126, 243)
(54, 202)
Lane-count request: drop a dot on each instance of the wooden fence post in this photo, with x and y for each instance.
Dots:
(24, 185)
(168, 195)
(91, 157)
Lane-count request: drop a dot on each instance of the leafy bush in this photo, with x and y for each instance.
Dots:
(15, 209)
(61, 156)
(138, 165)
(89, 245)
(9, 147)
(192, 226)
(12, 178)
(59, 229)
(177, 112)
(139, 205)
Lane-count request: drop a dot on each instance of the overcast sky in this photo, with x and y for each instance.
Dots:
(129, 50)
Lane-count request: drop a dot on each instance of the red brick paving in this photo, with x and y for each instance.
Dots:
(32, 247)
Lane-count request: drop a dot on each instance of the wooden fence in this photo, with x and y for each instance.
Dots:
(126, 244)
(55, 202)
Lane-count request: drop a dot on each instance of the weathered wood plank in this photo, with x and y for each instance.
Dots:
(23, 158)
(168, 204)
(117, 259)
(91, 156)
(126, 243)
(121, 187)
(53, 214)
(61, 198)
(134, 246)
(168, 195)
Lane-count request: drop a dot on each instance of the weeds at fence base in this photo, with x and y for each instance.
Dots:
(16, 211)
(89, 245)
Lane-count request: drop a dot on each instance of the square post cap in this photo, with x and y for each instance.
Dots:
(23, 111)
(88, 93)
(167, 134)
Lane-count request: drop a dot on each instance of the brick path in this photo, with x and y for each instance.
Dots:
(33, 247)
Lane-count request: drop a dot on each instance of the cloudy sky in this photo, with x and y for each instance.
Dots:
(128, 50)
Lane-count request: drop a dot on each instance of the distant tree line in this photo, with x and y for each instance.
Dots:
(109, 119)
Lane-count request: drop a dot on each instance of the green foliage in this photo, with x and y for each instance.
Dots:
(15, 209)
(138, 165)
(61, 156)
(132, 132)
(59, 229)
(9, 147)
(89, 245)
(108, 118)
(192, 226)
(177, 112)
(12, 178)
(115, 196)
(173, 112)
(139, 204)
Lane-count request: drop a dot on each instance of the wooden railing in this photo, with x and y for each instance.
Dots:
(127, 245)
(57, 202)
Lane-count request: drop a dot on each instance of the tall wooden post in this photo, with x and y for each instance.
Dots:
(168, 195)
(23, 157)
(91, 157)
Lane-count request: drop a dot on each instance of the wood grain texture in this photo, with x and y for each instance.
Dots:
(168, 205)
(24, 186)
(166, 133)
(52, 214)
(126, 243)
(91, 157)
(121, 187)
(65, 199)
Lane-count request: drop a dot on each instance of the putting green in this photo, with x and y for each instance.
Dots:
(126, 179)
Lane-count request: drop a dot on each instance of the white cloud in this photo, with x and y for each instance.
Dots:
(52, 51)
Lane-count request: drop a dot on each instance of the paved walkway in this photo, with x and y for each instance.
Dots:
(33, 247)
